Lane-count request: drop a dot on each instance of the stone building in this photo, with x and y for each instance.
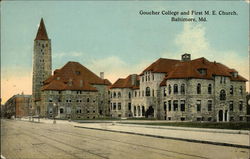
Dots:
(121, 96)
(17, 106)
(193, 90)
(75, 92)
(42, 64)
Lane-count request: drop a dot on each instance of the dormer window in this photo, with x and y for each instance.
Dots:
(77, 72)
(234, 74)
(202, 71)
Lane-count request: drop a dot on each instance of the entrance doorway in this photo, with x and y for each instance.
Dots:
(150, 112)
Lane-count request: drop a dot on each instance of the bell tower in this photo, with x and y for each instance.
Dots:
(41, 64)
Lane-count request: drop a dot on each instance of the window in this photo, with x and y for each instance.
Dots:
(182, 118)
(87, 99)
(209, 118)
(241, 90)
(129, 95)
(209, 105)
(198, 88)
(142, 78)
(111, 106)
(165, 106)
(241, 106)
(241, 118)
(153, 93)
(153, 76)
(169, 118)
(209, 89)
(147, 91)
(119, 106)
(164, 92)
(175, 89)
(231, 106)
(231, 91)
(148, 78)
(119, 94)
(78, 110)
(169, 105)
(134, 110)
(114, 106)
(61, 110)
(135, 93)
(175, 105)
(129, 106)
(143, 93)
(221, 79)
(169, 89)
(50, 100)
(182, 105)
(222, 94)
(114, 95)
(182, 88)
(198, 105)
(143, 111)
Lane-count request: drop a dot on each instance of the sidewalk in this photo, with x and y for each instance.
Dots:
(233, 138)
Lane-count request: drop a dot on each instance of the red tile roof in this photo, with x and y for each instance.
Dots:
(41, 33)
(189, 69)
(161, 66)
(126, 83)
(73, 76)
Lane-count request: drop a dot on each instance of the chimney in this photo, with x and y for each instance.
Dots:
(102, 75)
(133, 79)
(186, 57)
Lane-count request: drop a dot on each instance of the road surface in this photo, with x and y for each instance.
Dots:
(28, 140)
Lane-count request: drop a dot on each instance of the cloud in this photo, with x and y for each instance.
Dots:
(114, 67)
(193, 40)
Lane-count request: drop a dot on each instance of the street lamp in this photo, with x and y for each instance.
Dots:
(54, 113)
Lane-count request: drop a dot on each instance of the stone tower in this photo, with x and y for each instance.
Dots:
(41, 64)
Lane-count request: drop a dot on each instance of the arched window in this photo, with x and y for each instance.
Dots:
(169, 89)
(147, 91)
(222, 94)
(182, 88)
(114, 95)
(209, 89)
(231, 89)
(198, 88)
(119, 94)
(175, 89)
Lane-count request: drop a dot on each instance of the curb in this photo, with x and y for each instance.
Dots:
(226, 131)
(172, 138)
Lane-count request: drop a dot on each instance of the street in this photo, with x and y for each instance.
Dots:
(29, 140)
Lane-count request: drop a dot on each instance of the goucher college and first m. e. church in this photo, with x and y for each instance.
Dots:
(182, 89)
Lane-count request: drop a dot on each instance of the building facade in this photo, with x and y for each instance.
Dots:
(17, 106)
(193, 90)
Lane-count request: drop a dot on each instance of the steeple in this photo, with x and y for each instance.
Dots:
(41, 33)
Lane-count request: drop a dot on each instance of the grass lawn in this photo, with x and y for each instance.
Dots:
(233, 125)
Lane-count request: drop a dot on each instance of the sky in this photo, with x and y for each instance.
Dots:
(112, 37)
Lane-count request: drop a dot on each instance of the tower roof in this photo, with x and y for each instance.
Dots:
(41, 33)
